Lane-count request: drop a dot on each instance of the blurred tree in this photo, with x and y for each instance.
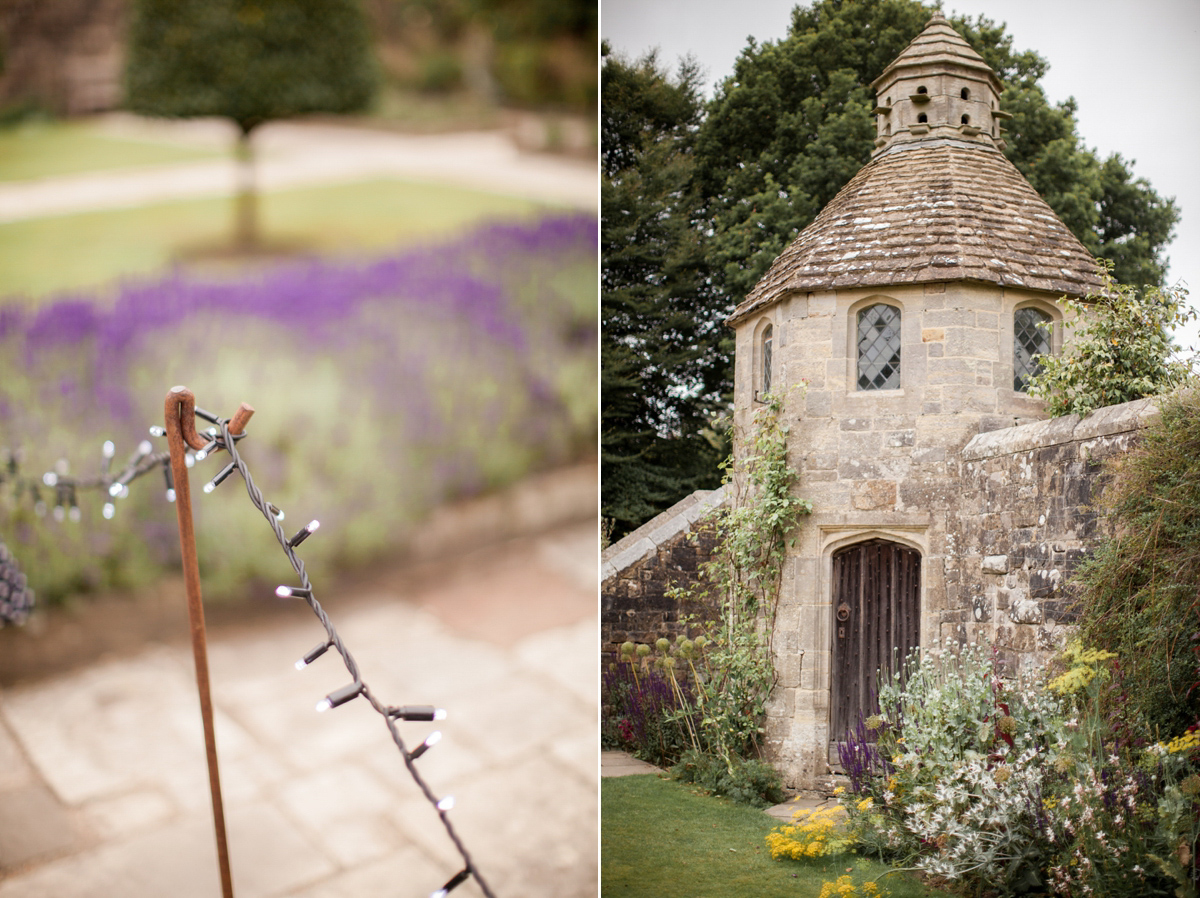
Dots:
(663, 347)
(525, 52)
(251, 61)
(545, 50)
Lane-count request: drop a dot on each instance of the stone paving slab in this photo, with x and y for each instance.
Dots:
(621, 763)
(103, 768)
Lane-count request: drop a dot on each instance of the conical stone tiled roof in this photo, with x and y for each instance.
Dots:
(939, 43)
(933, 207)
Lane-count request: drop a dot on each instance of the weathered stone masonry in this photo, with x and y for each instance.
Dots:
(638, 570)
(899, 329)
(1027, 516)
(1019, 516)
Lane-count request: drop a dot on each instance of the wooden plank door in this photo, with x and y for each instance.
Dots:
(876, 622)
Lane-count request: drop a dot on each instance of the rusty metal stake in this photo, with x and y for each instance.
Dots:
(180, 413)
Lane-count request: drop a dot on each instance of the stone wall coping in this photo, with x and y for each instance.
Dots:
(645, 541)
(1109, 421)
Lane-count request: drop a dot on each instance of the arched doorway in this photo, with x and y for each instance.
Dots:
(877, 621)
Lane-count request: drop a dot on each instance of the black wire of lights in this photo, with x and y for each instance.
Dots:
(143, 461)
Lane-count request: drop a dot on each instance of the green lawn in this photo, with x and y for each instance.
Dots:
(43, 255)
(660, 839)
(45, 149)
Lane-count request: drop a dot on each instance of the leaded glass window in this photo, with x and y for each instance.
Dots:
(879, 348)
(1029, 341)
(766, 360)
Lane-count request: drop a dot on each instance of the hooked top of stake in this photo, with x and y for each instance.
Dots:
(180, 411)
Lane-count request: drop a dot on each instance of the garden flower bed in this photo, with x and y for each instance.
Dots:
(384, 386)
(1015, 786)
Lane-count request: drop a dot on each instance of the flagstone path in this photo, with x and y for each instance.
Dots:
(103, 787)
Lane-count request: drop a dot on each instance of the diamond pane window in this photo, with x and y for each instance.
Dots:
(879, 348)
(1029, 340)
(766, 360)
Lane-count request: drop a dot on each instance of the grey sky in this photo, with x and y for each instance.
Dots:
(1128, 63)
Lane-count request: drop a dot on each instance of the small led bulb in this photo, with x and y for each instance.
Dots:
(189, 460)
(303, 533)
(109, 511)
(145, 448)
(114, 490)
(216, 481)
(50, 478)
(156, 431)
(60, 513)
(109, 449)
(312, 656)
(456, 880)
(171, 495)
(63, 467)
(439, 714)
(340, 696)
(446, 803)
(430, 741)
(75, 514)
(292, 592)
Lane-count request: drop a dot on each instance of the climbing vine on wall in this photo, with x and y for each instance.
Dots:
(741, 584)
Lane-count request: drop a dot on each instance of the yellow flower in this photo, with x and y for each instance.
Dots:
(864, 805)
(839, 790)
(1184, 743)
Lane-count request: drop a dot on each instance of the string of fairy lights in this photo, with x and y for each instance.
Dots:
(144, 460)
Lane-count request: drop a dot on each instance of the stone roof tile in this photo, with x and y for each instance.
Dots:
(954, 210)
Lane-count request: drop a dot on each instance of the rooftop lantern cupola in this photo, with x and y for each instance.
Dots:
(938, 87)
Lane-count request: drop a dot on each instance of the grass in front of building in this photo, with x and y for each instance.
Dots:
(659, 838)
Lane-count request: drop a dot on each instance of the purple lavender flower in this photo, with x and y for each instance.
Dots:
(385, 384)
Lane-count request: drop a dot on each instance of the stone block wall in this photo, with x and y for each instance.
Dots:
(1026, 518)
(1001, 520)
(637, 571)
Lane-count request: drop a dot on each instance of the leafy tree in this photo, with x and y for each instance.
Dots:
(793, 123)
(544, 49)
(1120, 349)
(251, 61)
(664, 351)
(782, 135)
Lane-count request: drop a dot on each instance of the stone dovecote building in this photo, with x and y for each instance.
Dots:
(900, 326)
